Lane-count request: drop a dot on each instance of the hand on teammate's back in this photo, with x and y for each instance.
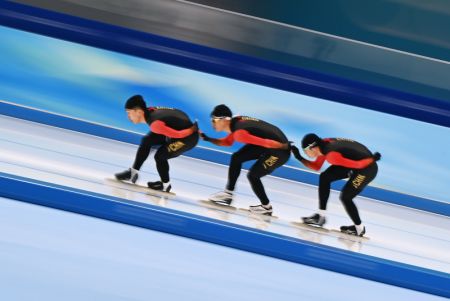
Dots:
(296, 152)
(204, 137)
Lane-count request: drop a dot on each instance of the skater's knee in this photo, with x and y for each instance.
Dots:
(146, 141)
(324, 178)
(235, 158)
(160, 156)
(345, 197)
(253, 176)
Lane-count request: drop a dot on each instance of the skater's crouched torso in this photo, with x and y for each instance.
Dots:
(349, 149)
(173, 118)
(257, 128)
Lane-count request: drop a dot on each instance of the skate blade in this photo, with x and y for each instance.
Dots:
(138, 187)
(159, 192)
(267, 215)
(309, 227)
(350, 236)
(211, 204)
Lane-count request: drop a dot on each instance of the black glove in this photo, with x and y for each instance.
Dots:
(204, 137)
(376, 156)
(296, 152)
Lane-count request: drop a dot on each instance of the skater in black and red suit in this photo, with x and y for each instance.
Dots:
(264, 143)
(348, 159)
(171, 132)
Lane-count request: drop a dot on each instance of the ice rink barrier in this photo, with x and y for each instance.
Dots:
(223, 63)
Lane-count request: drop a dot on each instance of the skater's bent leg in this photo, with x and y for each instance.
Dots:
(246, 153)
(162, 164)
(347, 195)
(331, 174)
(265, 165)
(172, 149)
(234, 171)
(357, 182)
(258, 188)
(143, 151)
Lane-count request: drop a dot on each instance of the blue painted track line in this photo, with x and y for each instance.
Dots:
(223, 233)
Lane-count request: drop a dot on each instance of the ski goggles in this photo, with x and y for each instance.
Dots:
(214, 119)
(308, 147)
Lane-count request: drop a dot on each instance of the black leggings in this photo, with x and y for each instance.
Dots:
(359, 178)
(168, 149)
(267, 161)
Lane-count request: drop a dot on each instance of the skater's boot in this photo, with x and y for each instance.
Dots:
(314, 220)
(222, 197)
(130, 174)
(352, 230)
(158, 185)
(261, 209)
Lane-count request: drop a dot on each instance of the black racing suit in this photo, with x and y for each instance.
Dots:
(265, 143)
(348, 159)
(170, 131)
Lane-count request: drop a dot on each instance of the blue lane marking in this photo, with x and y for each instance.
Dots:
(223, 233)
(186, 202)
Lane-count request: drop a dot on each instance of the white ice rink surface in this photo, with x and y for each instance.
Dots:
(53, 255)
(82, 161)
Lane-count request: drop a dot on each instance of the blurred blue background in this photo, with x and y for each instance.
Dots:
(92, 84)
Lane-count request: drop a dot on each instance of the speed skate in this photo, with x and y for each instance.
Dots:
(223, 207)
(251, 213)
(322, 229)
(138, 187)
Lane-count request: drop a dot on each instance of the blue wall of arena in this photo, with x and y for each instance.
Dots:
(92, 84)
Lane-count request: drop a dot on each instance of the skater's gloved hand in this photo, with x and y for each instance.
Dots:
(296, 152)
(376, 156)
(204, 137)
(295, 149)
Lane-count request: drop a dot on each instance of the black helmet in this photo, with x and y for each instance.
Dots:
(221, 111)
(311, 140)
(135, 101)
